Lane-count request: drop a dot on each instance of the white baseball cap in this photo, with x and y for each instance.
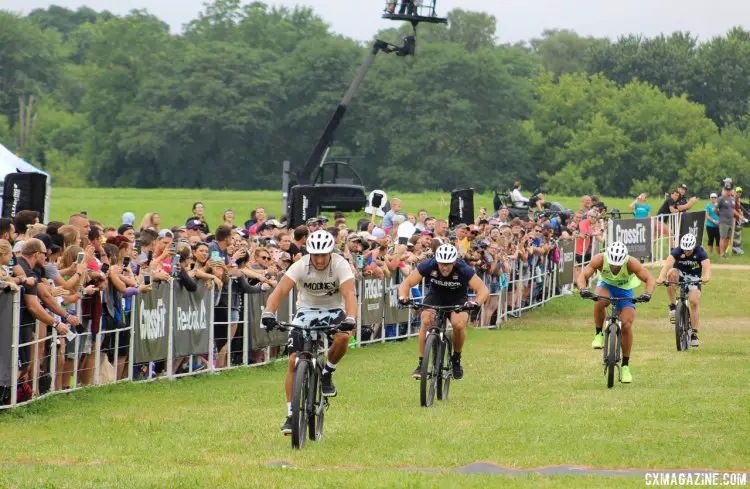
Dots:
(713, 195)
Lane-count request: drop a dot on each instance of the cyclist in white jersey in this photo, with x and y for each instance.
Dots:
(324, 281)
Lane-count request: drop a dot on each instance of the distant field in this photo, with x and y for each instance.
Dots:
(174, 205)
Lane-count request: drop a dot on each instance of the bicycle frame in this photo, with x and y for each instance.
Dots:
(308, 402)
(683, 321)
(613, 325)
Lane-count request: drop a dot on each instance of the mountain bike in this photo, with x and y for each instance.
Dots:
(682, 328)
(437, 370)
(612, 337)
(308, 403)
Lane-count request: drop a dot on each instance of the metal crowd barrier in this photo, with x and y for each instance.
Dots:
(528, 286)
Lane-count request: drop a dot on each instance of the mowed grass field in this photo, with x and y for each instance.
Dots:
(533, 395)
(174, 205)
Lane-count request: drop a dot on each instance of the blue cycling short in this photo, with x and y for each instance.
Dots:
(617, 293)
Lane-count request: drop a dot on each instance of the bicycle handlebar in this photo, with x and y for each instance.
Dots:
(324, 327)
(613, 299)
(684, 282)
(411, 303)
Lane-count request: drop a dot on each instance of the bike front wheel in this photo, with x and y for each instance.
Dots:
(430, 373)
(610, 354)
(682, 327)
(300, 396)
(445, 369)
(317, 407)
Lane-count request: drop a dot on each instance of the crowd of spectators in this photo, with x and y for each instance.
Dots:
(79, 276)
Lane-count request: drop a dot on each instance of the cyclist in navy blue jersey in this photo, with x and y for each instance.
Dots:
(688, 262)
(447, 281)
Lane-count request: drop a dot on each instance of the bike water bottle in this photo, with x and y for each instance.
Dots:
(352, 342)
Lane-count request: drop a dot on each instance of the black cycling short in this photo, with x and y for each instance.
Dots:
(434, 300)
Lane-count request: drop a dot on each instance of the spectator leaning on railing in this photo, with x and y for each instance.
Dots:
(641, 210)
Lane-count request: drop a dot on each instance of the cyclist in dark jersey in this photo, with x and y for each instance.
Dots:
(448, 280)
(687, 262)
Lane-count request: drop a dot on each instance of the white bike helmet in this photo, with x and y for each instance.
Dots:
(617, 253)
(320, 243)
(446, 253)
(687, 242)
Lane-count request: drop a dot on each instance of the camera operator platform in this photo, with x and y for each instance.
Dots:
(414, 11)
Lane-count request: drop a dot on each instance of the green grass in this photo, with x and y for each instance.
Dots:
(174, 205)
(533, 395)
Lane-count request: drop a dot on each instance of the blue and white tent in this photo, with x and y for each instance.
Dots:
(10, 163)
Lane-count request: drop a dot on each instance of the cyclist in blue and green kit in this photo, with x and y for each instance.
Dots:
(619, 274)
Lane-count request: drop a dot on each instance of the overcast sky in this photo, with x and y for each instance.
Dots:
(517, 19)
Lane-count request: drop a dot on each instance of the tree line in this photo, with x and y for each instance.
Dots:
(100, 99)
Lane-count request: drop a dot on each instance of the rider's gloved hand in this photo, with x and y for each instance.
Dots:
(403, 300)
(586, 293)
(471, 306)
(644, 298)
(348, 324)
(268, 321)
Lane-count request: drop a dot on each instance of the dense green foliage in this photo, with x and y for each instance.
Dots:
(101, 99)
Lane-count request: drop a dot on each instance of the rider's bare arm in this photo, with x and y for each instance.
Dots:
(282, 290)
(635, 267)
(411, 281)
(597, 262)
(668, 264)
(478, 286)
(706, 270)
(350, 298)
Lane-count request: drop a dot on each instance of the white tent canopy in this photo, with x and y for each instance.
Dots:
(10, 163)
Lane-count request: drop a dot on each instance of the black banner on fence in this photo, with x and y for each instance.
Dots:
(24, 191)
(303, 204)
(260, 338)
(393, 313)
(693, 223)
(151, 325)
(565, 265)
(372, 301)
(635, 234)
(192, 318)
(6, 338)
(462, 207)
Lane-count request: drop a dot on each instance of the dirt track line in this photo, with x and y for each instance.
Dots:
(490, 468)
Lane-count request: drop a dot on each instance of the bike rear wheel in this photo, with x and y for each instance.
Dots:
(300, 395)
(610, 358)
(427, 383)
(445, 368)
